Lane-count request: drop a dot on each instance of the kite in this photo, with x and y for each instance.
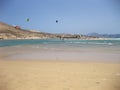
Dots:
(27, 19)
(56, 21)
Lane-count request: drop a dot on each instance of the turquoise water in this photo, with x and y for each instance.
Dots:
(7, 43)
(55, 49)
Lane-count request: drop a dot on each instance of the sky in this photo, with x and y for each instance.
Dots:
(74, 16)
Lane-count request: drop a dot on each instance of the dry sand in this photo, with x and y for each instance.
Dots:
(58, 75)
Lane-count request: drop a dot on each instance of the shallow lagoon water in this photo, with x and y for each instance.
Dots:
(55, 49)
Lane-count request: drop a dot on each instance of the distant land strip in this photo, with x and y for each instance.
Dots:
(16, 32)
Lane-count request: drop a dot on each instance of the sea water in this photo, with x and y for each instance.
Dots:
(70, 42)
(55, 49)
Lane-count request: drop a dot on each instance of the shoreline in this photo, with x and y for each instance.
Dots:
(64, 39)
(60, 66)
(61, 53)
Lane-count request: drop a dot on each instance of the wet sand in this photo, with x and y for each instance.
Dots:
(87, 54)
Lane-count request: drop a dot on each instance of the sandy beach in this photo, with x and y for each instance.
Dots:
(58, 75)
(71, 66)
